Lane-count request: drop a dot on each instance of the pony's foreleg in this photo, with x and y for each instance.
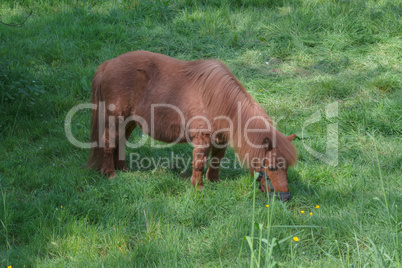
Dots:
(213, 170)
(119, 154)
(201, 144)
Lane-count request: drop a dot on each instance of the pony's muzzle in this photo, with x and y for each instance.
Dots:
(284, 196)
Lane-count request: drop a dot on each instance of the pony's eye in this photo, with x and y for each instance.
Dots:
(272, 168)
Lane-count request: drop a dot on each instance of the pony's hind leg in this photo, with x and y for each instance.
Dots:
(119, 153)
(201, 142)
(109, 139)
(213, 170)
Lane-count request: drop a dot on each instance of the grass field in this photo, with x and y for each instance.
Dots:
(296, 58)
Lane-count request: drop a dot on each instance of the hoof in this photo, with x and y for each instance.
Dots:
(123, 167)
(112, 175)
(214, 179)
(212, 176)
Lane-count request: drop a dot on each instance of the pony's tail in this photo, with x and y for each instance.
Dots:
(96, 152)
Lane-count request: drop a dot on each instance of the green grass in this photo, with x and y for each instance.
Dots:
(294, 57)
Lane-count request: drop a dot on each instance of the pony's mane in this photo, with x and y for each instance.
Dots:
(222, 93)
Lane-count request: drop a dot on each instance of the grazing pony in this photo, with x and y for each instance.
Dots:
(175, 101)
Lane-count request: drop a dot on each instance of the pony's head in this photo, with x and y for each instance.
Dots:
(273, 168)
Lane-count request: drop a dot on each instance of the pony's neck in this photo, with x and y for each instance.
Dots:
(251, 128)
(224, 97)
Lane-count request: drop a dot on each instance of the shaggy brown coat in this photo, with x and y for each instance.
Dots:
(183, 101)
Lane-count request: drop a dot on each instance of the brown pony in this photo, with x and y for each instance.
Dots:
(200, 102)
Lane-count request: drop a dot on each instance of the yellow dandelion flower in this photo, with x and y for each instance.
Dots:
(9, 266)
(295, 238)
(61, 206)
(317, 206)
(311, 213)
(302, 211)
(267, 206)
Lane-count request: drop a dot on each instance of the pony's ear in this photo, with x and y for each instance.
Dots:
(267, 144)
(290, 137)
